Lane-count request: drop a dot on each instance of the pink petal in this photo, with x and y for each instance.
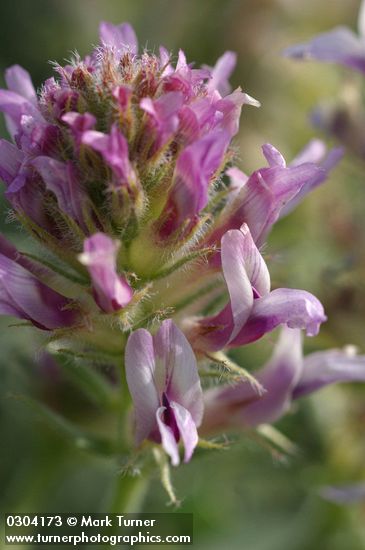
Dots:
(230, 107)
(167, 438)
(176, 369)
(121, 37)
(273, 156)
(194, 169)
(237, 279)
(140, 372)
(221, 72)
(112, 292)
(266, 193)
(247, 277)
(187, 429)
(294, 308)
(244, 270)
(329, 367)
(279, 378)
(314, 151)
(79, 122)
(113, 148)
(14, 106)
(241, 406)
(18, 80)
(24, 296)
(11, 159)
(164, 113)
(61, 178)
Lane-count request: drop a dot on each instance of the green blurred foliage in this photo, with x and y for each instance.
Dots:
(241, 498)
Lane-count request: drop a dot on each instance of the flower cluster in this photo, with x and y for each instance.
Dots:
(122, 170)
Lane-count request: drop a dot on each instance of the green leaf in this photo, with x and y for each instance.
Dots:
(87, 379)
(79, 438)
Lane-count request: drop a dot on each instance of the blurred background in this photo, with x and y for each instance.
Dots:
(244, 498)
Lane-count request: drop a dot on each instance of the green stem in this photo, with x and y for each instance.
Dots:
(129, 493)
(194, 255)
(198, 294)
(129, 490)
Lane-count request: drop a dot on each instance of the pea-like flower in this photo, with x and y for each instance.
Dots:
(253, 309)
(286, 377)
(164, 383)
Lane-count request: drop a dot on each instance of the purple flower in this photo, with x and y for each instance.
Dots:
(61, 101)
(22, 295)
(120, 37)
(184, 79)
(164, 383)
(19, 81)
(345, 120)
(19, 100)
(22, 190)
(194, 170)
(10, 251)
(79, 124)
(221, 72)
(111, 291)
(62, 179)
(229, 109)
(163, 113)
(344, 494)
(123, 97)
(11, 159)
(271, 192)
(253, 310)
(213, 112)
(286, 377)
(328, 367)
(23, 117)
(340, 45)
(113, 148)
(189, 119)
(36, 137)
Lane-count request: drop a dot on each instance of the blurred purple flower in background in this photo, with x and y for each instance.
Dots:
(343, 118)
(340, 45)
